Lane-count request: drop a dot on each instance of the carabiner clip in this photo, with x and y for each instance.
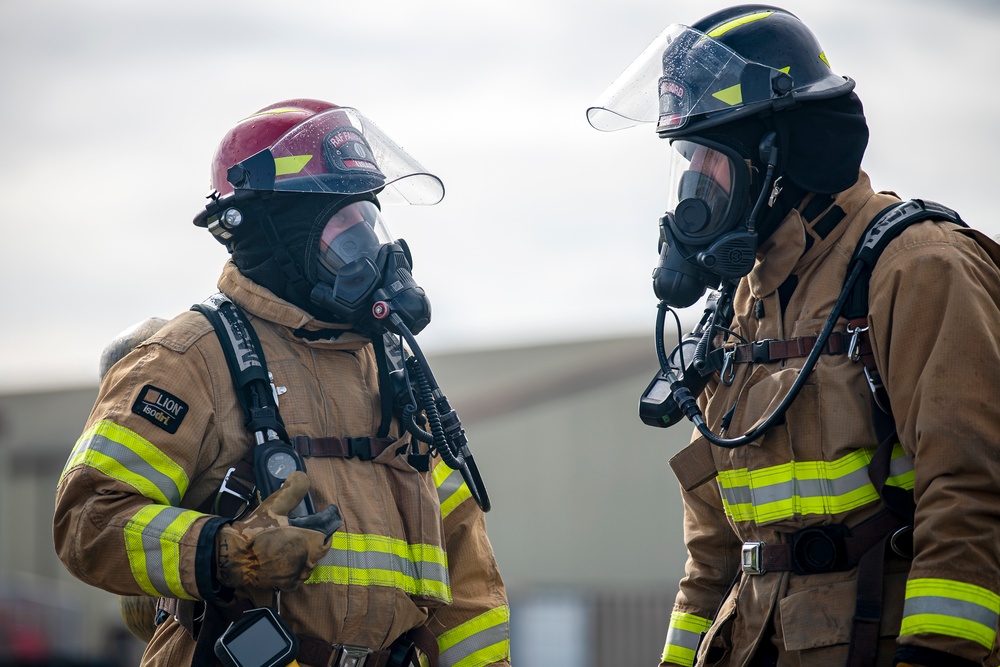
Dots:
(854, 347)
(728, 371)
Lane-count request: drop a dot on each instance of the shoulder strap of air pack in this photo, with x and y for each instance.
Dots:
(887, 225)
(245, 358)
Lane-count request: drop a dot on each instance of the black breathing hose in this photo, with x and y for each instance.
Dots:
(688, 402)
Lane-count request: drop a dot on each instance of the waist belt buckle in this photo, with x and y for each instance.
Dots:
(350, 656)
(751, 558)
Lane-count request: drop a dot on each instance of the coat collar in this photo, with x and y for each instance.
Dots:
(262, 303)
(806, 234)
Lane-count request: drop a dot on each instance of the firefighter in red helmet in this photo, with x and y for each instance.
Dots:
(277, 467)
(841, 501)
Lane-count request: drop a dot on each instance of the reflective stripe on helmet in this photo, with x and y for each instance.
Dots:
(952, 608)
(152, 544)
(126, 456)
(451, 487)
(377, 560)
(292, 164)
(483, 640)
(683, 636)
(736, 23)
(802, 488)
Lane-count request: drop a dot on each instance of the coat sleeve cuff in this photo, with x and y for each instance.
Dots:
(928, 657)
(209, 587)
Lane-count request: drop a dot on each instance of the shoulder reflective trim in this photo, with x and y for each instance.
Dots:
(802, 488)
(483, 640)
(126, 456)
(736, 23)
(376, 560)
(291, 164)
(952, 608)
(152, 544)
(683, 636)
(451, 487)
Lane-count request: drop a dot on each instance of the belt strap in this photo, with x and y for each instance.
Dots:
(365, 448)
(764, 351)
(862, 539)
(317, 653)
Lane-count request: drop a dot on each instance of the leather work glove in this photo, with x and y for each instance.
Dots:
(269, 550)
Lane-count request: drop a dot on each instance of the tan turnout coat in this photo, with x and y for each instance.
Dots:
(935, 332)
(413, 548)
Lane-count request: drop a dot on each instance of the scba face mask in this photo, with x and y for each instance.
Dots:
(704, 237)
(365, 275)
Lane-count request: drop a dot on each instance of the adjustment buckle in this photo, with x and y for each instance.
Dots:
(760, 350)
(751, 558)
(226, 490)
(360, 448)
(350, 656)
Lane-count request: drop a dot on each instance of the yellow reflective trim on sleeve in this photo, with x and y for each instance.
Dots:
(736, 23)
(152, 545)
(126, 456)
(689, 622)
(480, 641)
(683, 637)
(452, 489)
(678, 654)
(291, 164)
(731, 96)
(951, 608)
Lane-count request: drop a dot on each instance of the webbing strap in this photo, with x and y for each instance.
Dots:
(246, 363)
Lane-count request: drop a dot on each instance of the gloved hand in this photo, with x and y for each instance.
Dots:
(269, 550)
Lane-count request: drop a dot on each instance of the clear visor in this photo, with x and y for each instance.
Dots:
(353, 232)
(339, 152)
(682, 73)
(701, 185)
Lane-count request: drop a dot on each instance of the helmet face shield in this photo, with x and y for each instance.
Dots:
(687, 79)
(355, 231)
(683, 73)
(338, 151)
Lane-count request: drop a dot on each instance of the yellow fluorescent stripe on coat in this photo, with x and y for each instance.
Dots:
(148, 470)
(292, 164)
(952, 608)
(452, 489)
(736, 23)
(480, 641)
(152, 545)
(683, 637)
(801, 488)
(378, 560)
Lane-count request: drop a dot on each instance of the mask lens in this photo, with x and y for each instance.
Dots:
(355, 231)
(701, 188)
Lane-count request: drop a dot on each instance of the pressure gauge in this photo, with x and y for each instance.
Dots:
(273, 462)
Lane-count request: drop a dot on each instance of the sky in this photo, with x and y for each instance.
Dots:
(110, 112)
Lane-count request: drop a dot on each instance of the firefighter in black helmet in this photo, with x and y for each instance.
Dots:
(808, 543)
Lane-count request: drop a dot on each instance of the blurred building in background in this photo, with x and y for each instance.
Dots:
(586, 518)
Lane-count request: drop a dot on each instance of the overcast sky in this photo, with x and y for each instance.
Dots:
(111, 109)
